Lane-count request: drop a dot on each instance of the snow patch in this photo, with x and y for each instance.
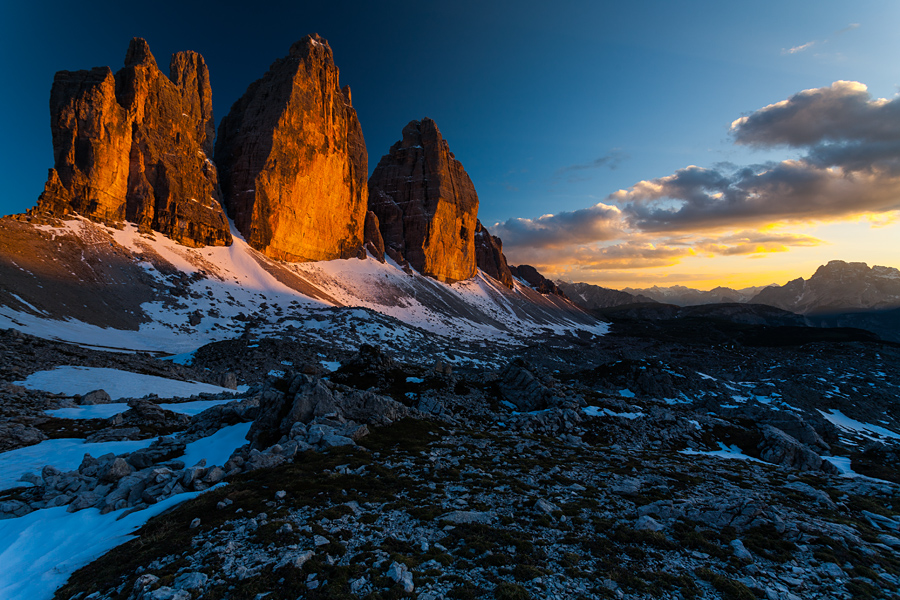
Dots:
(70, 380)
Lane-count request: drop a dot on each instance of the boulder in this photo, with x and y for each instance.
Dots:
(294, 162)
(134, 146)
(426, 204)
(146, 414)
(331, 410)
(95, 397)
(16, 435)
(519, 386)
(781, 449)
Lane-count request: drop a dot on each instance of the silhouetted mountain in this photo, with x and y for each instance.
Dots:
(592, 296)
(837, 287)
(685, 296)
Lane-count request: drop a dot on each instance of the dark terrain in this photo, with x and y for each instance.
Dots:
(559, 474)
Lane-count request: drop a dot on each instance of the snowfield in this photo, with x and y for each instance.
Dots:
(225, 285)
(40, 551)
(69, 380)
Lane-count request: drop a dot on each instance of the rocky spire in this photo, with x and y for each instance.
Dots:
(134, 147)
(294, 162)
(426, 204)
(489, 255)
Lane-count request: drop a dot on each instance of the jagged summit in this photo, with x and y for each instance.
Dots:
(134, 147)
(426, 204)
(294, 162)
(139, 53)
(837, 286)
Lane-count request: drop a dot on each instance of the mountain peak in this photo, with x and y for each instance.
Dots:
(138, 53)
(294, 161)
(302, 47)
(132, 147)
(426, 204)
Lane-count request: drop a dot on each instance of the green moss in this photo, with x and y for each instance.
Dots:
(407, 435)
(768, 543)
(729, 588)
(511, 591)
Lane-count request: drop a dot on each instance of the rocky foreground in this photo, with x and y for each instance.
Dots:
(574, 471)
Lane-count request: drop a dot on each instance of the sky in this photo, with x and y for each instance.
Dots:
(622, 144)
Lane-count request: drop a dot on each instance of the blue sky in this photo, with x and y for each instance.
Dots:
(551, 107)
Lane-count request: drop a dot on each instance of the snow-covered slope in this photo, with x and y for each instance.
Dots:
(83, 282)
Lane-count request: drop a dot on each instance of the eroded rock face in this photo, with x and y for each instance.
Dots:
(294, 161)
(489, 255)
(372, 236)
(537, 281)
(134, 145)
(426, 204)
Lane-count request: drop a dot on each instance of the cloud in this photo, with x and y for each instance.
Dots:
(596, 223)
(794, 190)
(753, 242)
(610, 161)
(808, 45)
(845, 112)
(643, 253)
(849, 27)
(797, 49)
(851, 167)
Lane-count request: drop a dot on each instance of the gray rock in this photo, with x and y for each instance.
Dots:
(113, 434)
(334, 441)
(629, 486)
(214, 475)
(518, 385)
(190, 581)
(95, 397)
(648, 523)
(400, 573)
(545, 506)
(116, 470)
(82, 501)
(167, 593)
(781, 449)
(740, 551)
(468, 516)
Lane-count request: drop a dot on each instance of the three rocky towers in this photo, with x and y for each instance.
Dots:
(289, 166)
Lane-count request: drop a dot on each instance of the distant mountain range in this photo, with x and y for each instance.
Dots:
(837, 287)
(839, 294)
(685, 296)
(595, 297)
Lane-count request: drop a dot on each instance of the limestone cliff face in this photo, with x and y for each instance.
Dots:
(294, 162)
(134, 147)
(426, 204)
(489, 255)
(537, 281)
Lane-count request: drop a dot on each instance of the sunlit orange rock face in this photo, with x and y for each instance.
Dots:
(426, 204)
(134, 146)
(294, 162)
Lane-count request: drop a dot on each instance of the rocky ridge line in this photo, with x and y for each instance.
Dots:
(135, 146)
